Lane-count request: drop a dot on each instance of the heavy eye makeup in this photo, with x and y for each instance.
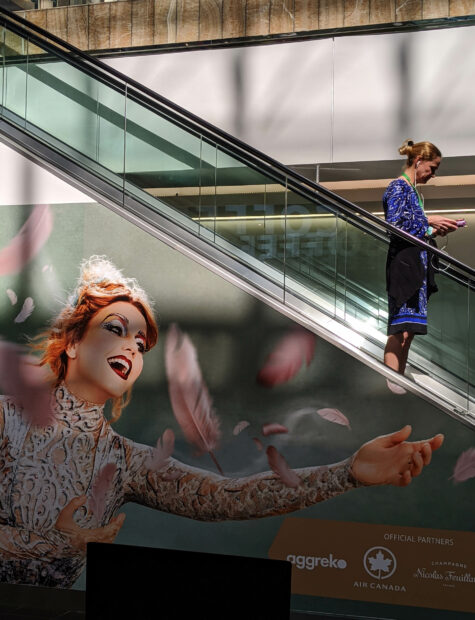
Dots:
(141, 344)
(115, 326)
(119, 326)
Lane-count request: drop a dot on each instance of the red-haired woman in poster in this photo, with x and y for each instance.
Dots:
(62, 482)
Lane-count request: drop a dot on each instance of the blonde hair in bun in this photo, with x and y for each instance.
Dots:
(425, 150)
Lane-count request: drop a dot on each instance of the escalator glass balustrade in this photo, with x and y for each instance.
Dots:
(309, 243)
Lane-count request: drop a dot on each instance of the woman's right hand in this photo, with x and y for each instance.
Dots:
(442, 225)
(80, 536)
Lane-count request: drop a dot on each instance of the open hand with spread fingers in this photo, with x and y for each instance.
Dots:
(390, 459)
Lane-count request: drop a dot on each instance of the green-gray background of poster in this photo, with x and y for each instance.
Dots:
(233, 333)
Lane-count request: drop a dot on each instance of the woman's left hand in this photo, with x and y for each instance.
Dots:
(390, 459)
(79, 536)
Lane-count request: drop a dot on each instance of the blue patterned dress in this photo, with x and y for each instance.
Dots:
(402, 209)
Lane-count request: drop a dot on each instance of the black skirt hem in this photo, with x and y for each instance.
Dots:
(407, 327)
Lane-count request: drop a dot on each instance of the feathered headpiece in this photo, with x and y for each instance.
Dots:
(99, 277)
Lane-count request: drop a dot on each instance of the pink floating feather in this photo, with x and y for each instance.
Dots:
(240, 426)
(26, 244)
(100, 488)
(163, 450)
(259, 444)
(273, 429)
(26, 311)
(465, 466)
(395, 387)
(189, 396)
(26, 382)
(334, 415)
(279, 466)
(287, 357)
(12, 296)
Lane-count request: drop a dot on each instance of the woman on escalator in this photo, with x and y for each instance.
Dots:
(409, 270)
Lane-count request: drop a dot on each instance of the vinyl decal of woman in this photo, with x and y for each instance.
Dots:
(95, 350)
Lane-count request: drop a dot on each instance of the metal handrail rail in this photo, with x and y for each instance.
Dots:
(236, 147)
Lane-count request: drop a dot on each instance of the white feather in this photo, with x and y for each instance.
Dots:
(27, 309)
(12, 296)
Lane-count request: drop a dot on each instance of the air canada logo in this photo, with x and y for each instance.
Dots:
(379, 562)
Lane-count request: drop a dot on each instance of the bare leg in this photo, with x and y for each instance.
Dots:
(397, 350)
(408, 339)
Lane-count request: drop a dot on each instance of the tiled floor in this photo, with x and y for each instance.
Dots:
(29, 614)
(28, 603)
(32, 603)
(24, 613)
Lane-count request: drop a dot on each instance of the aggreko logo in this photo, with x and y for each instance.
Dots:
(309, 562)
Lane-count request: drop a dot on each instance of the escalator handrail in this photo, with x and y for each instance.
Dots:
(235, 146)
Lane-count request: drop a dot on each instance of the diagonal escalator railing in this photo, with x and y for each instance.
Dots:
(299, 241)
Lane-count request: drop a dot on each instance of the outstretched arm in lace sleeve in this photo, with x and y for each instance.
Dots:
(194, 493)
(190, 492)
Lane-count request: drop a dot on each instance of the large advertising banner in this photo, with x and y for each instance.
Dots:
(148, 401)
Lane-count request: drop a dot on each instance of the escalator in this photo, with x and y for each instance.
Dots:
(314, 256)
